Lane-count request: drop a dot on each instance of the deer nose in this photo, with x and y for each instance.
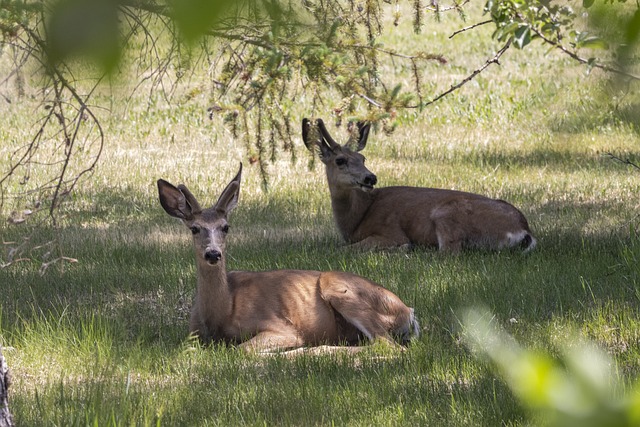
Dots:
(212, 256)
(370, 179)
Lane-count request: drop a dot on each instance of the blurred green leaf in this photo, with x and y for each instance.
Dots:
(522, 36)
(633, 28)
(194, 18)
(593, 43)
(579, 390)
(83, 28)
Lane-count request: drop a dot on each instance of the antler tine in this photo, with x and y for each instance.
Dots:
(325, 134)
(195, 206)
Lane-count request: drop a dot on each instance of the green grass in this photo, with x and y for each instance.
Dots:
(104, 341)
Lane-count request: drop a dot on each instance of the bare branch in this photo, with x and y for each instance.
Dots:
(578, 58)
(470, 27)
(494, 60)
(623, 161)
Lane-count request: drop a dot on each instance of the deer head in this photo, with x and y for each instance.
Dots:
(208, 226)
(344, 164)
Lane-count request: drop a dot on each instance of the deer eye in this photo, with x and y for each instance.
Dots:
(194, 229)
(225, 229)
(341, 161)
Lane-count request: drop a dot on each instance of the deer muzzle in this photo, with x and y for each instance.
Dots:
(368, 182)
(212, 256)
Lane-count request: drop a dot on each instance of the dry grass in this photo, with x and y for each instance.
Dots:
(104, 340)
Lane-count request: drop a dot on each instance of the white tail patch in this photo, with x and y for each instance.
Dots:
(414, 324)
(522, 238)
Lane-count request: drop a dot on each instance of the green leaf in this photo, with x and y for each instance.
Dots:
(632, 32)
(77, 28)
(587, 3)
(488, 7)
(593, 43)
(395, 92)
(522, 36)
(195, 17)
(505, 32)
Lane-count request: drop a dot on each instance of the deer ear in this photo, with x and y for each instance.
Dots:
(306, 133)
(174, 202)
(228, 200)
(324, 152)
(314, 139)
(363, 131)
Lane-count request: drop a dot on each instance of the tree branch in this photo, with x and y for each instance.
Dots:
(582, 60)
(623, 161)
(453, 88)
(470, 27)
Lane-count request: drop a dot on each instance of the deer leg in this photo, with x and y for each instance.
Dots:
(272, 341)
(449, 236)
(373, 310)
(197, 327)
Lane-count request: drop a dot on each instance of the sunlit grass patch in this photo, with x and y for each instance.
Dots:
(104, 341)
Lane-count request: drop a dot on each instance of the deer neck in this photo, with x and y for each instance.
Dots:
(350, 206)
(213, 294)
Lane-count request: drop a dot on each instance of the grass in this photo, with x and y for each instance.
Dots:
(103, 341)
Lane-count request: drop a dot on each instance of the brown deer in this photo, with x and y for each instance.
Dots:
(281, 309)
(387, 217)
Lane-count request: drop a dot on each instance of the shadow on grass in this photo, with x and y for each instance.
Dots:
(594, 117)
(216, 386)
(139, 288)
(131, 272)
(564, 161)
(145, 284)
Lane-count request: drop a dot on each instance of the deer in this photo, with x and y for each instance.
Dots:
(278, 310)
(371, 218)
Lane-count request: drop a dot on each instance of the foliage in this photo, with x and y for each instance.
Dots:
(580, 389)
(560, 25)
(264, 60)
(105, 341)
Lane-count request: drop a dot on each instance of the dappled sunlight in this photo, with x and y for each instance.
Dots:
(256, 235)
(115, 235)
(105, 339)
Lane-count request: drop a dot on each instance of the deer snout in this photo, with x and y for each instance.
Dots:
(370, 180)
(212, 256)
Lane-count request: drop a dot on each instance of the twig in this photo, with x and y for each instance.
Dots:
(470, 27)
(434, 7)
(582, 60)
(494, 60)
(623, 161)
(369, 100)
(420, 55)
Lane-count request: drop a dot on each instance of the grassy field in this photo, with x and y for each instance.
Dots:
(104, 341)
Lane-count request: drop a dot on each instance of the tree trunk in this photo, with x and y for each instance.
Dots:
(5, 415)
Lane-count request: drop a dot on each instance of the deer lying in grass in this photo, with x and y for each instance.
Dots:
(282, 309)
(369, 217)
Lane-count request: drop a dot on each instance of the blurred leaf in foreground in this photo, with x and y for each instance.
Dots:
(580, 389)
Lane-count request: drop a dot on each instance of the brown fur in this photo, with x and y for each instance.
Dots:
(387, 217)
(280, 309)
